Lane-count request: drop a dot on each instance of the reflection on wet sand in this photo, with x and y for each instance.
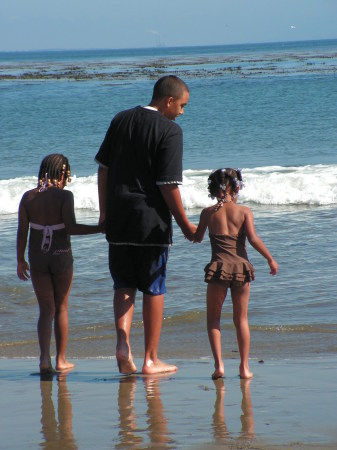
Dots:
(247, 417)
(57, 432)
(220, 431)
(156, 419)
(131, 435)
(219, 423)
(128, 436)
(143, 421)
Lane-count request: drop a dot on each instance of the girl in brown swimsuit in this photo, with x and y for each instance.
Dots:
(49, 210)
(229, 224)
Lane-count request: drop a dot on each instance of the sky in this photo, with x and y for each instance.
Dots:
(116, 24)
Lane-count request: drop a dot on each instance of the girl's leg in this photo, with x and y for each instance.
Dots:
(62, 286)
(44, 291)
(216, 294)
(240, 299)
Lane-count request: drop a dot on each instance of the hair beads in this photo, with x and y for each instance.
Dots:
(228, 180)
(54, 168)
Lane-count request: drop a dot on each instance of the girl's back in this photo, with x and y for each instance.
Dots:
(229, 219)
(46, 208)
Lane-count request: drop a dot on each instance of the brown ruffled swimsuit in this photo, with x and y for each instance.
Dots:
(229, 264)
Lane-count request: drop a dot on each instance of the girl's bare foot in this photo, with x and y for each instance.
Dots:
(151, 367)
(125, 363)
(218, 372)
(245, 373)
(64, 365)
(46, 366)
(44, 370)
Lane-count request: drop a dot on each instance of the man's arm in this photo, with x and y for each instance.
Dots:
(102, 178)
(172, 197)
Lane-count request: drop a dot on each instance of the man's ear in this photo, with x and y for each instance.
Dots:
(169, 101)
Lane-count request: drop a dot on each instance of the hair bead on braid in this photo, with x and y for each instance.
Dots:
(228, 180)
(53, 169)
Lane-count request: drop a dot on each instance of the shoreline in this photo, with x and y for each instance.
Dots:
(287, 403)
(267, 344)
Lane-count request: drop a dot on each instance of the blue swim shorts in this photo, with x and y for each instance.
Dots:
(139, 267)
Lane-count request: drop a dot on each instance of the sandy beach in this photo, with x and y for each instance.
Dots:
(288, 404)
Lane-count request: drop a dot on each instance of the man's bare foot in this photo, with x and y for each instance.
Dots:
(64, 365)
(245, 373)
(150, 367)
(125, 363)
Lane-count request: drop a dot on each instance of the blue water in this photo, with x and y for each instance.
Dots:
(268, 108)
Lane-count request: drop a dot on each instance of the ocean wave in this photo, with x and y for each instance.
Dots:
(272, 185)
(312, 185)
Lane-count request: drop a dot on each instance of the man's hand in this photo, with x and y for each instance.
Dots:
(189, 231)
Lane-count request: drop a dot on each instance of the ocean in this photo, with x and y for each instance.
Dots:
(269, 109)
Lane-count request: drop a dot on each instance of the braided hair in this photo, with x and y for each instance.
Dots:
(225, 179)
(52, 168)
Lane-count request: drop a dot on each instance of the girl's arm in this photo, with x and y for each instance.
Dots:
(202, 227)
(256, 242)
(69, 219)
(21, 242)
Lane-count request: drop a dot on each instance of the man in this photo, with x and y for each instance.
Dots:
(140, 168)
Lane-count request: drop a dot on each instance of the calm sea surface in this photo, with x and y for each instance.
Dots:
(269, 109)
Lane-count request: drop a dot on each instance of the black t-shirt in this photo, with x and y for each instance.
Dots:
(142, 149)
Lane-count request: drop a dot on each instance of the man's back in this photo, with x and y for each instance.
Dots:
(142, 149)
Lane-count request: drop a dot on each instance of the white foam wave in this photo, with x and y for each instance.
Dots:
(83, 188)
(273, 185)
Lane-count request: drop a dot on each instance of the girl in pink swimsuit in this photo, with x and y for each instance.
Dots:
(229, 224)
(49, 211)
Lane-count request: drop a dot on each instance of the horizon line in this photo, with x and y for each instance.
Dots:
(162, 46)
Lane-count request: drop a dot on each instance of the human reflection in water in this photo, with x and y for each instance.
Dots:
(156, 419)
(220, 430)
(57, 432)
(131, 436)
(219, 423)
(128, 435)
(247, 417)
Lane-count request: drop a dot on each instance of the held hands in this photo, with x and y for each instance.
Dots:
(273, 267)
(189, 231)
(101, 226)
(101, 223)
(22, 270)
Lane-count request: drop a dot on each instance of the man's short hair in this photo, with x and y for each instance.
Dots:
(169, 86)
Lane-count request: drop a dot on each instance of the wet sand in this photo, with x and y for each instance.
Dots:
(288, 404)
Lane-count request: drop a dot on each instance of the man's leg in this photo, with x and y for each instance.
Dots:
(124, 304)
(153, 307)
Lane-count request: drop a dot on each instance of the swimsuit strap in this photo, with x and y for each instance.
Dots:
(47, 234)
